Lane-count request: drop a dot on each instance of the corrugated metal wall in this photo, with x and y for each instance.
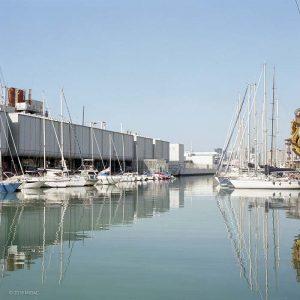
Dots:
(28, 134)
(158, 149)
(161, 149)
(144, 147)
(3, 133)
(166, 150)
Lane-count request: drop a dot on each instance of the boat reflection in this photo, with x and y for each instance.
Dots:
(252, 220)
(46, 224)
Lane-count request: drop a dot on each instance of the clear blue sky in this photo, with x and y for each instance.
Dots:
(166, 69)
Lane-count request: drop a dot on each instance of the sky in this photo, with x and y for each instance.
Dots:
(166, 69)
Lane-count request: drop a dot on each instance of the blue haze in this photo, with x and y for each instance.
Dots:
(166, 69)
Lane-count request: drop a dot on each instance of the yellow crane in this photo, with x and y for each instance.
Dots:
(295, 133)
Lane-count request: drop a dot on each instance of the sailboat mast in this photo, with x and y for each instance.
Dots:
(240, 136)
(110, 154)
(1, 168)
(62, 131)
(137, 158)
(92, 142)
(123, 148)
(255, 128)
(264, 117)
(272, 119)
(249, 129)
(277, 130)
(44, 133)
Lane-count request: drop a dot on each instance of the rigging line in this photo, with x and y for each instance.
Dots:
(13, 141)
(234, 125)
(94, 136)
(2, 76)
(112, 141)
(71, 250)
(9, 150)
(63, 163)
(298, 7)
(72, 125)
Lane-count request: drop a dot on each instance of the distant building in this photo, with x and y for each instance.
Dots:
(176, 163)
(206, 160)
(177, 153)
(219, 150)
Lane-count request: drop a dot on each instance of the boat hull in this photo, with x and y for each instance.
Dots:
(9, 187)
(55, 183)
(31, 185)
(265, 184)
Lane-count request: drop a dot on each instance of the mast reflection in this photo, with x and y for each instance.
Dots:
(47, 224)
(252, 221)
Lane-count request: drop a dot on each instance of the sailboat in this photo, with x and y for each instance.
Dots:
(274, 180)
(24, 181)
(53, 178)
(61, 178)
(105, 176)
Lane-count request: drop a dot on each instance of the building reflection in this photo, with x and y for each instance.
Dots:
(252, 221)
(33, 221)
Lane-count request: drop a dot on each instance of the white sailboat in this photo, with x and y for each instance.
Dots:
(105, 176)
(270, 181)
(25, 181)
(53, 178)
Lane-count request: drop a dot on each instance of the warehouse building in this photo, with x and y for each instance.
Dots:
(77, 142)
(27, 132)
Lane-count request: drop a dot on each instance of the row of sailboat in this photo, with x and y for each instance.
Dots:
(86, 175)
(249, 164)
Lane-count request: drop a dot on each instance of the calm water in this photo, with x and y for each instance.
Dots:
(179, 240)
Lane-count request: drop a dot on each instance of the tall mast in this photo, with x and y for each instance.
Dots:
(240, 136)
(137, 158)
(272, 119)
(255, 127)
(249, 129)
(92, 141)
(110, 154)
(1, 169)
(277, 130)
(123, 148)
(44, 133)
(265, 119)
(62, 130)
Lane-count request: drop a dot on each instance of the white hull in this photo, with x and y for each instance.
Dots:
(76, 182)
(52, 183)
(127, 178)
(81, 181)
(31, 185)
(90, 182)
(107, 180)
(265, 184)
(265, 193)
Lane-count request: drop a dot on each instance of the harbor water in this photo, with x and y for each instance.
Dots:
(159, 240)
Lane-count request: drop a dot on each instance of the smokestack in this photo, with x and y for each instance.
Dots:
(29, 96)
(11, 93)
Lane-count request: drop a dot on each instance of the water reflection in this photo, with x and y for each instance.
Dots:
(252, 220)
(41, 231)
(33, 221)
